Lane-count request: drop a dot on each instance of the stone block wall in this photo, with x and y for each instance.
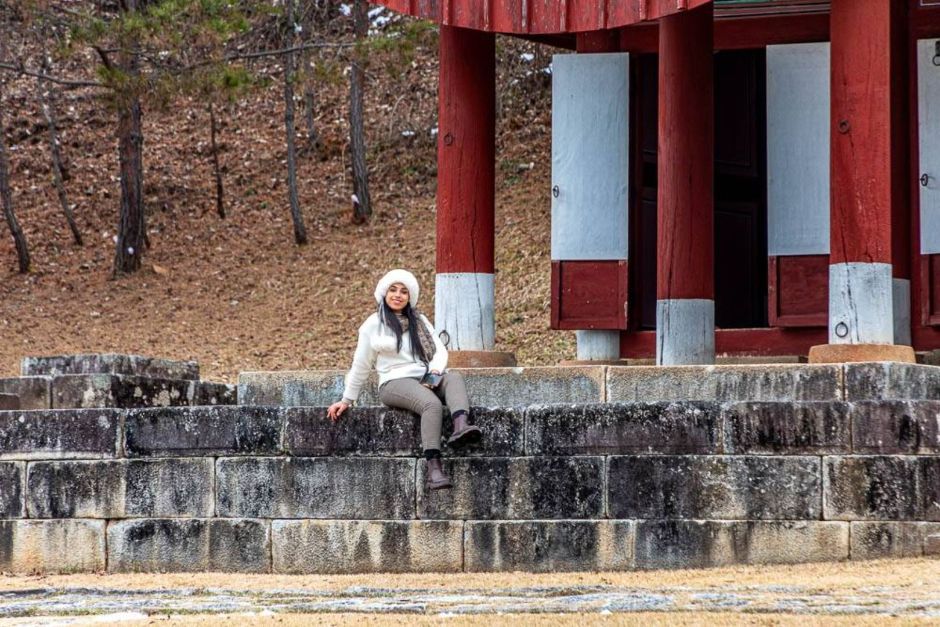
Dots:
(560, 487)
(520, 387)
(108, 380)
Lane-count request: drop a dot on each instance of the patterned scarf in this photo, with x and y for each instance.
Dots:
(424, 335)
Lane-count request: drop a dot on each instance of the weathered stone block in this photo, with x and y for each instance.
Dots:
(210, 393)
(360, 431)
(760, 382)
(517, 387)
(888, 380)
(313, 487)
(686, 544)
(703, 544)
(549, 546)
(300, 388)
(896, 427)
(203, 431)
(503, 433)
(75, 391)
(622, 428)
(109, 363)
(359, 546)
(516, 488)
(120, 489)
(932, 545)
(34, 392)
(12, 477)
(794, 542)
(871, 488)
(487, 387)
(890, 539)
(191, 545)
(9, 402)
(700, 487)
(52, 546)
(59, 434)
(788, 428)
(928, 487)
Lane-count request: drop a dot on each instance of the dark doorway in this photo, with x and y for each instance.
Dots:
(740, 190)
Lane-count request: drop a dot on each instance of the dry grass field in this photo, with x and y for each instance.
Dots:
(860, 593)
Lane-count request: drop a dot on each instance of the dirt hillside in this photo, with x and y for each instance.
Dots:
(237, 294)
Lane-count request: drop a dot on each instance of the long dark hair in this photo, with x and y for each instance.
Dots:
(388, 317)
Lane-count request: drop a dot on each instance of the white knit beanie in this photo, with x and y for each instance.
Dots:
(398, 276)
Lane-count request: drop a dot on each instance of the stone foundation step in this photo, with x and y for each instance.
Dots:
(563, 487)
(308, 546)
(493, 387)
(688, 428)
(72, 391)
(110, 363)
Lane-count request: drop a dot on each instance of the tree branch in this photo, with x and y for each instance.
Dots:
(65, 82)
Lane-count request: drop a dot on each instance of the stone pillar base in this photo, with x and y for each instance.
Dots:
(604, 362)
(843, 353)
(480, 359)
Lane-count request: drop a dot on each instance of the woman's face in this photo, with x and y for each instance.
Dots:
(396, 297)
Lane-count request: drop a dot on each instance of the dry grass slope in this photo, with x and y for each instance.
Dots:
(236, 294)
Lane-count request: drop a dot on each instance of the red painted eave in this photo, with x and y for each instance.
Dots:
(540, 17)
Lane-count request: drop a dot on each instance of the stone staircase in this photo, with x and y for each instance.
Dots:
(111, 380)
(761, 465)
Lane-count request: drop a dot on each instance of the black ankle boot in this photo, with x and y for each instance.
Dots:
(464, 434)
(435, 478)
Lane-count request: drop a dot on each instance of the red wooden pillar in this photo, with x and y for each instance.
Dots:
(685, 289)
(466, 154)
(864, 170)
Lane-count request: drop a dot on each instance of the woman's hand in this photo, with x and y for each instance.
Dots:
(336, 410)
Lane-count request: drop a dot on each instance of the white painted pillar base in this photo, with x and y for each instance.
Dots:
(902, 311)
(463, 307)
(598, 345)
(685, 332)
(861, 303)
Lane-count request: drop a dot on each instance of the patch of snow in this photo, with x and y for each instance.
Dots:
(408, 133)
(345, 9)
(527, 57)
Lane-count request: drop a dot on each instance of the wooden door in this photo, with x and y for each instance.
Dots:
(740, 191)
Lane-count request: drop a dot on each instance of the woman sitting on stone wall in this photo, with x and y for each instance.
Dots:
(400, 343)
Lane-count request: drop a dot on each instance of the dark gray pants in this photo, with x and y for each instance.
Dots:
(411, 395)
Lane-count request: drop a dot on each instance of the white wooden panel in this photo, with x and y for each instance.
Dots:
(590, 156)
(928, 107)
(798, 149)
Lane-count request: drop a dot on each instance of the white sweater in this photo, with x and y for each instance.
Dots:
(376, 349)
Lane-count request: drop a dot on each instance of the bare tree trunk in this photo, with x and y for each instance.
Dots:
(310, 109)
(132, 226)
(362, 205)
(300, 231)
(213, 131)
(6, 196)
(47, 102)
(130, 237)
